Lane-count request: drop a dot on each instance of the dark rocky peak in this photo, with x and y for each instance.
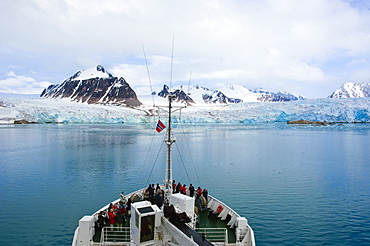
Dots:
(100, 68)
(164, 92)
(94, 86)
(180, 95)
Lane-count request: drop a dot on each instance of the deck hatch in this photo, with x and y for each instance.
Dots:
(145, 210)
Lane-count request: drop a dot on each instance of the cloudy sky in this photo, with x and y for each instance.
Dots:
(306, 47)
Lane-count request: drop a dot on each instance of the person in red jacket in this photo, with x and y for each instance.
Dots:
(183, 189)
(173, 186)
(112, 218)
(199, 191)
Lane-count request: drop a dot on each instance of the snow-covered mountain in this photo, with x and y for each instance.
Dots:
(94, 86)
(228, 94)
(352, 90)
(97, 86)
(180, 95)
(239, 93)
(281, 96)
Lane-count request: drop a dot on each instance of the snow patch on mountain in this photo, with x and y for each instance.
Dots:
(239, 92)
(90, 73)
(203, 95)
(352, 90)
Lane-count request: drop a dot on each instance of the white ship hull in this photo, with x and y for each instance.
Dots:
(167, 232)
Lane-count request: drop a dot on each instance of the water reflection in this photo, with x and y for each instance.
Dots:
(294, 184)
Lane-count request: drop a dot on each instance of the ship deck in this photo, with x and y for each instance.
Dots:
(206, 220)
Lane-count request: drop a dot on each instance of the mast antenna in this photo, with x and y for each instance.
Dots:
(169, 142)
(189, 82)
(147, 69)
(173, 43)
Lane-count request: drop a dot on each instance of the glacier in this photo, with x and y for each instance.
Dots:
(346, 110)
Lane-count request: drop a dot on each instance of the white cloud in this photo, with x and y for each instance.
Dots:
(222, 74)
(22, 84)
(277, 44)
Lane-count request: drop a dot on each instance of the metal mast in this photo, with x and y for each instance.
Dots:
(169, 142)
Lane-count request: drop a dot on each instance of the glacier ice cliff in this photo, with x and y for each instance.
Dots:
(349, 110)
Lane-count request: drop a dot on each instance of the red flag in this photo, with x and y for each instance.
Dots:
(160, 126)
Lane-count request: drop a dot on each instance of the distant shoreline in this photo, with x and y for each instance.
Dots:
(19, 96)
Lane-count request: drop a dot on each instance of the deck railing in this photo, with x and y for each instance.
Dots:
(217, 236)
(115, 235)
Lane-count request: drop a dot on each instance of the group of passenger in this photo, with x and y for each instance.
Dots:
(190, 191)
(154, 194)
(116, 214)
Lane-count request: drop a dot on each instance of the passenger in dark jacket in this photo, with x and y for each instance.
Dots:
(205, 194)
(191, 190)
(120, 219)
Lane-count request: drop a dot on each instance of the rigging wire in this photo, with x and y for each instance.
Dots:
(182, 161)
(154, 132)
(147, 69)
(155, 161)
(191, 158)
(147, 154)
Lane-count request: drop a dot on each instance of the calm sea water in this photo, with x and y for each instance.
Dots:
(297, 185)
